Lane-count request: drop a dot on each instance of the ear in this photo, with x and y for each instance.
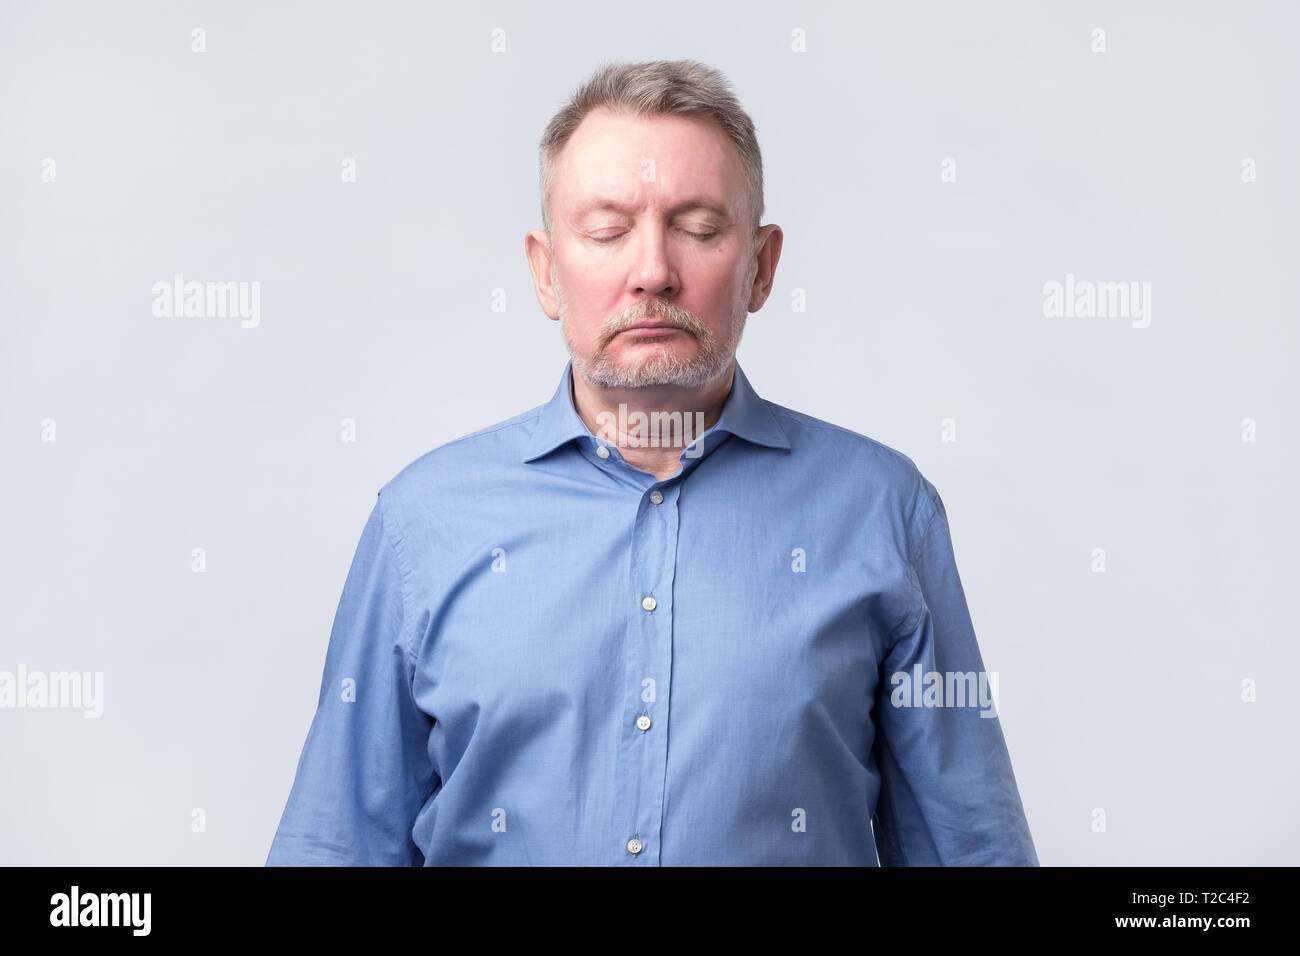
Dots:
(768, 252)
(537, 246)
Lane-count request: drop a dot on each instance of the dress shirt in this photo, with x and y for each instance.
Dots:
(544, 655)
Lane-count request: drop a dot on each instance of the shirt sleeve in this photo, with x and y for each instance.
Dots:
(364, 771)
(948, 796)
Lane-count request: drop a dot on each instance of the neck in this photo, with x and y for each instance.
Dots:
(652, 425)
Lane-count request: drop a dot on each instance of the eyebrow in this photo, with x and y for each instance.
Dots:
(688, 205)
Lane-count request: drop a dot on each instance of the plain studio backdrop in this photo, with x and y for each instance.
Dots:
(182, 496)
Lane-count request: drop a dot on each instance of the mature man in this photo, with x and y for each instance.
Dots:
(657, 620)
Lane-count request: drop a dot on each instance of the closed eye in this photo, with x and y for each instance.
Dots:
(701, 236)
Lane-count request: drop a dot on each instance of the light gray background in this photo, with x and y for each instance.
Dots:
(1119, 691)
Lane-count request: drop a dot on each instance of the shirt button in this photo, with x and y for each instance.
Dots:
(643, 722)
(602, 451)
(634, 845)
(649, 603)
(656, 498)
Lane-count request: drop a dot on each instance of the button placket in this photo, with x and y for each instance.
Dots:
(642, 760)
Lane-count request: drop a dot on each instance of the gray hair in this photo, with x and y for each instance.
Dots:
(657, 88)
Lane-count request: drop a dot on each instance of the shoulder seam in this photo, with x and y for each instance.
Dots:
(913, 552)
(399, 551)
(929, 526)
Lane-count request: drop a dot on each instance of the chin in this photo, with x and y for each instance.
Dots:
(638, 355)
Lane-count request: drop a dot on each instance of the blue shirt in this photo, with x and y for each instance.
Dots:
(544, 655)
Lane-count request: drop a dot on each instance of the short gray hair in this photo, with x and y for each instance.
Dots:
(657, 88)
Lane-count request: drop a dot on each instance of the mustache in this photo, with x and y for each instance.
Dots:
(675, 315)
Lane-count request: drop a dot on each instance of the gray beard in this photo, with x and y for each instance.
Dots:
(660, 368)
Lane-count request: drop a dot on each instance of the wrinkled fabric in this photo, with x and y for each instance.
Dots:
(498, 690)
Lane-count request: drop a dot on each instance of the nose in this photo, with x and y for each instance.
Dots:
(653, 272)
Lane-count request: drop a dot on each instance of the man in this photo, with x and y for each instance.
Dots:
(657, 620)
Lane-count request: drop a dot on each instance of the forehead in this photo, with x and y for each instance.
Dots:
(621, 156)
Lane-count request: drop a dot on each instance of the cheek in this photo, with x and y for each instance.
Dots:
(588, 302)
(725, 271)
(724, 285)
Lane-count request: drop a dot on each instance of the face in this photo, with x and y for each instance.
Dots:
(651, 261)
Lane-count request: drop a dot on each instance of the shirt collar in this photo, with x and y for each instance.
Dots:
(744, 414)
